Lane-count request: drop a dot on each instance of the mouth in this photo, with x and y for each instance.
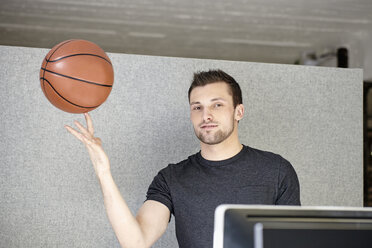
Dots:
(208, 126)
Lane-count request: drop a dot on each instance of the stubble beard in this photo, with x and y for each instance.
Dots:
(217, 138)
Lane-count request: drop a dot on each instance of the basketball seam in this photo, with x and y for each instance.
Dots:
(60, 47)
(77, 79)
(78, 54)
(46, 64)
(65, 98)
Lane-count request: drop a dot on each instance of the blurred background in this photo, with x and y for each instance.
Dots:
(333, 33)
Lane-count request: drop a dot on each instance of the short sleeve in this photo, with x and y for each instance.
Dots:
(288, 185)
(159, 190)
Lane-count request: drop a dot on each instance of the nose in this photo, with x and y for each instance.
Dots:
(207, 115)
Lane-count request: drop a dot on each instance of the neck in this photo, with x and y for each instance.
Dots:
(224, 150)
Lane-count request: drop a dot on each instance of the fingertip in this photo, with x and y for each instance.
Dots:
(68, 128)
(77, 123)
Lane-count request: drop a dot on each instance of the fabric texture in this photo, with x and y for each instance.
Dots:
(193, 188)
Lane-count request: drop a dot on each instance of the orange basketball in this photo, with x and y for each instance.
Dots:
(76, 76)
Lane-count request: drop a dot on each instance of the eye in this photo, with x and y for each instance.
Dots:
(217, 105)
(196, 108)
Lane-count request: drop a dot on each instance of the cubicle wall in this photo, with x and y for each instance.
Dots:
(49, 193)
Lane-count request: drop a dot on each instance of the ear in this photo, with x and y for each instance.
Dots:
(239, 112)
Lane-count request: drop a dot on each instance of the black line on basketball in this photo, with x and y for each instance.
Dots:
(79, 54)
(67, 41)
(77, 79)
(65, 98)
(45, 92)
(46, 64)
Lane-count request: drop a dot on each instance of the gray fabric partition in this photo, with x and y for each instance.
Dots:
(48, 191)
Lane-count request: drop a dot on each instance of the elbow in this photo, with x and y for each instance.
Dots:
(135, 244)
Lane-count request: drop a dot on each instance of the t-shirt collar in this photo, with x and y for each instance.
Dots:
(206, 162)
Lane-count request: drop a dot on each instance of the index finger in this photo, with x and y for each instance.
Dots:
(89, 123)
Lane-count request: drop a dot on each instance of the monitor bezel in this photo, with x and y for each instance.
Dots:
(280, 211)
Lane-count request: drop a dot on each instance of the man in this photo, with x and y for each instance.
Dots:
(224, 171)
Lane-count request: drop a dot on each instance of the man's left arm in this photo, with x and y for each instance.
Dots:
(288, 185)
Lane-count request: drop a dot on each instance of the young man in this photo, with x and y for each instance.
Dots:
(224, 171)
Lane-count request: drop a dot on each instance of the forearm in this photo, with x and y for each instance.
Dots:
(125, 225)
(127, 229)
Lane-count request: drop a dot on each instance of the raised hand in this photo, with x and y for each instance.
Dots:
(93, 144)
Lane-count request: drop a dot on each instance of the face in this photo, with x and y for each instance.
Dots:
(212, 113)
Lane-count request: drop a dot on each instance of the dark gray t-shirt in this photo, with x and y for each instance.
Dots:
(193, 188)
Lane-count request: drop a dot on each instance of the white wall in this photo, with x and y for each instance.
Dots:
(50, 196)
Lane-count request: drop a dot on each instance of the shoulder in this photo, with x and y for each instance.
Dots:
(267, 156)
(180, 167)
(269, 161)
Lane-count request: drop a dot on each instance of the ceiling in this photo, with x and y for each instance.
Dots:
(274, 31)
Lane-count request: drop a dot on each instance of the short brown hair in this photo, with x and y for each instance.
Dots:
(203, 78)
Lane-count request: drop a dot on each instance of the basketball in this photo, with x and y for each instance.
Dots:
(76, 76)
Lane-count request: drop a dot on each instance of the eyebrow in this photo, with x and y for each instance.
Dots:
(218, 99)
(213, 100)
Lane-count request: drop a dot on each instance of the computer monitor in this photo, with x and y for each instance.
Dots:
(257, 226)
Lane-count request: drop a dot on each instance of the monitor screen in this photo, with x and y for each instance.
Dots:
(253, 226)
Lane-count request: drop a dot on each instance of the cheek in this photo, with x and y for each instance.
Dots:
(226, 113)
(194, 118)
(227, 116)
